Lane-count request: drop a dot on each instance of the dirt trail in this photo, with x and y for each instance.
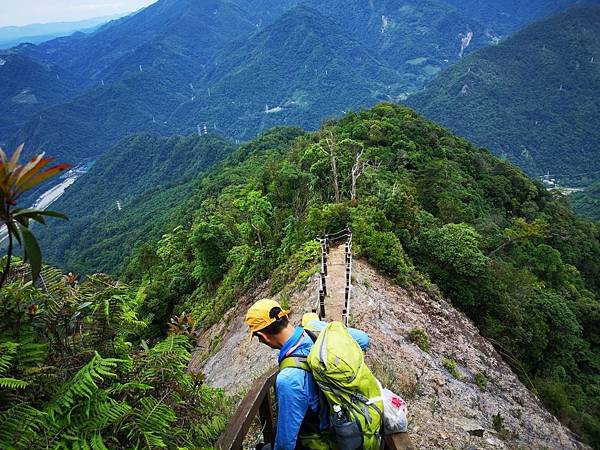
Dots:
(336, 283)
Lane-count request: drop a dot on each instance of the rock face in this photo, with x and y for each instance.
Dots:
(460, 394)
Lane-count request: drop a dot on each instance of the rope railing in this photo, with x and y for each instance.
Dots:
(322, 293)
(326, 241)
(348, 285)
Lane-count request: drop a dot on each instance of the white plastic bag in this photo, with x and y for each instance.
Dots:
(395, 414)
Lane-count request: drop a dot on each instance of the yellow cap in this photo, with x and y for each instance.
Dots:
(258, 317)
(308, 318)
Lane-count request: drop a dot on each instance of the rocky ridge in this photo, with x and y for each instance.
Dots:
(461, 394)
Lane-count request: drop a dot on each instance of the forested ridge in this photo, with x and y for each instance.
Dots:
(587, 202)
(127, 198)
(169, 68)
(533, 98)
(427, 208)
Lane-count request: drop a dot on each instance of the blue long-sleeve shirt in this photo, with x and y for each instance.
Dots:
(296, 388)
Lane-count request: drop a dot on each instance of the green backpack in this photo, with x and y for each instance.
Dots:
(337, 364)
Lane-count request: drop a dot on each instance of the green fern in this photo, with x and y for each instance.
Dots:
(8, 350)
(97, 443)
(13, 383)
(151, 424)
(19, 426)
(83, 385)
(69, 353)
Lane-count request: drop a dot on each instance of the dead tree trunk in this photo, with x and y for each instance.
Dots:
(331, 152)
(357, 171)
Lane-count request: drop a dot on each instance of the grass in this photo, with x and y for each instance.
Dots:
(503, 432)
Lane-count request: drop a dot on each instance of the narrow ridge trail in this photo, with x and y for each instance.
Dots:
(336, 284)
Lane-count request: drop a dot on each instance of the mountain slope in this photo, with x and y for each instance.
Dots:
(146, 72)
(170, 22)
(303, 68)
(141, 172)
(299, 70)
(509, 15)
(430, 210)
(534, 98)
(135, 88)
(587, 202)
(444, 411)
(402, 31)
(26, 87)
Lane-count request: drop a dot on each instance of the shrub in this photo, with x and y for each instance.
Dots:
(481, 381)
(420, 338)
(450, 366)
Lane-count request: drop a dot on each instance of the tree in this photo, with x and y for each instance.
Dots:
(455, 248)
(521, 229)
(356, 151)
(256, 210)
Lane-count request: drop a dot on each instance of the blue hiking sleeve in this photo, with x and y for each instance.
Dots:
(292, 404)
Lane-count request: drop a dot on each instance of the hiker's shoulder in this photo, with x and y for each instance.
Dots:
(361, 337)
(291, 378)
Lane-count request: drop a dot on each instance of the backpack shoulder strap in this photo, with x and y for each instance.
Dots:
(312, 335)
(299, 362)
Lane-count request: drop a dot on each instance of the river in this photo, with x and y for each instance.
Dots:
(54, 193)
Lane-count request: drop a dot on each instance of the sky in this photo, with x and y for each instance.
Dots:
(25, 12)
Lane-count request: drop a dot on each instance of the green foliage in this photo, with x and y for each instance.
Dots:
(456, 248)
(58, 391)
(587, 203)
(148, 176)
(535, 110)
(420, 338)
(481, 381)
(429, 209)
(450, 366)
(503, 432)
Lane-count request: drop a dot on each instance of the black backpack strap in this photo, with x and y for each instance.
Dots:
(311, 335)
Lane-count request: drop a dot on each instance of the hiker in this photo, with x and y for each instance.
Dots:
(303, 414)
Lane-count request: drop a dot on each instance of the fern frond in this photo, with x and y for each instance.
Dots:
(31, 354)
(97, 443)
(207, 433)
(52, 281)
(8, 351)
(19, 426)
(82, 385)
(151, 423)
(100, 414)
(120, 388)
(13, 383)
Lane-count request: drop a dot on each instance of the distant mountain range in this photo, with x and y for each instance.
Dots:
(39, 32)
(179, 64)
(535, 98)
(237, 68)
